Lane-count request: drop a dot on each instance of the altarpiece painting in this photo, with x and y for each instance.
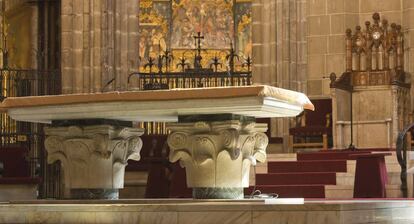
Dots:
(172, 24)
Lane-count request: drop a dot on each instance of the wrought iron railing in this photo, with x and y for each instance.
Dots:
(23, 82)
(150, 81)
(401, 152)
(191, 79)
(160, 73)
(27, 82)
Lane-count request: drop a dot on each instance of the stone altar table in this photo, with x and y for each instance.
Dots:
(216, 138)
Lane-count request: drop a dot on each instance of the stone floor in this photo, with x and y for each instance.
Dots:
(184, 211)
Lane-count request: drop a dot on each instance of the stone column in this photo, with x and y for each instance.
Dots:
(408, 27)
(217, 155)
(280, 49)
(93, 158)
(279, 43)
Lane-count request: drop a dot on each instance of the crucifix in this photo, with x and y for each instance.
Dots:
(197, 57)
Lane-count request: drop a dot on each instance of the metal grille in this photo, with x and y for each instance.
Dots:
(24, 82)
(185, 80)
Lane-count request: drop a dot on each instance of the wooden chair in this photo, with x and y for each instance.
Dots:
(14, 162)
(313, 129)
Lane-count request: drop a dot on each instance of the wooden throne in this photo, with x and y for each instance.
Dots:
(373, 93)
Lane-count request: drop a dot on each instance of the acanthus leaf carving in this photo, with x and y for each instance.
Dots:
(100, 145)
(78, 149)
(177, 140)
(230, 138)
(90, 152)
(202, 126)
(134, 147)
(203, 150)
(53, 144)
(248, 149)
(260, 147)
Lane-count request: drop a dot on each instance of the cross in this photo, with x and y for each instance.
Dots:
(198, 58)
(198, 40)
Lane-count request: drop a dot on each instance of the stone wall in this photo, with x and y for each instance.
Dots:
(408, 26)
(99, 43)
(279, 48)
(327, 22)
(297, 44)
(279, 43)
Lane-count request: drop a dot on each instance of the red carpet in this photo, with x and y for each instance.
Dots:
(336, 155)
(295, 178)
(307, 166)
(305, 177)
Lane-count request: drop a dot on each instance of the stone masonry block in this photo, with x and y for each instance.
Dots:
(317, 45)
(319, 25)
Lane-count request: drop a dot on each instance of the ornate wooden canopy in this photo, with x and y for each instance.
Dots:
(374, 55)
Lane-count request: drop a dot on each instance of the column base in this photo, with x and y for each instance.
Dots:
(109, 194)
(218, 193)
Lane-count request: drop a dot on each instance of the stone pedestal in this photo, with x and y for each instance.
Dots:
(376, 120)
(218, 154)
(93, 157)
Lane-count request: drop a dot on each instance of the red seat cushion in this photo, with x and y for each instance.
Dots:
(14, 162)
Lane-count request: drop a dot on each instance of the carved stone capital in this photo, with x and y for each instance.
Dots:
(217, 154)
(93, 157)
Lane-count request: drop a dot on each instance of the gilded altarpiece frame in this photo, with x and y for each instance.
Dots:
(171, 25)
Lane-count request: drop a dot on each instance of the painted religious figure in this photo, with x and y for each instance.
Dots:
(213, 18)
(172, 24)
(243, 20)
(154, 28)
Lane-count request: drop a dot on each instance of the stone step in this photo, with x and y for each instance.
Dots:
(391, 166)
(345, 179)
(349, 178)
(292, 157)
(394, 178)
(393, 191)
(347, 191)
(351, 164)
(135, 178)
(339, 191)
(135, 183)
(281, 157)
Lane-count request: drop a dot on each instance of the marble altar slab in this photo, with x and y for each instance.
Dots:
(185, 211)
(159, 105)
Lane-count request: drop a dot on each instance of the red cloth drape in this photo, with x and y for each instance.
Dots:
(370, 175)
